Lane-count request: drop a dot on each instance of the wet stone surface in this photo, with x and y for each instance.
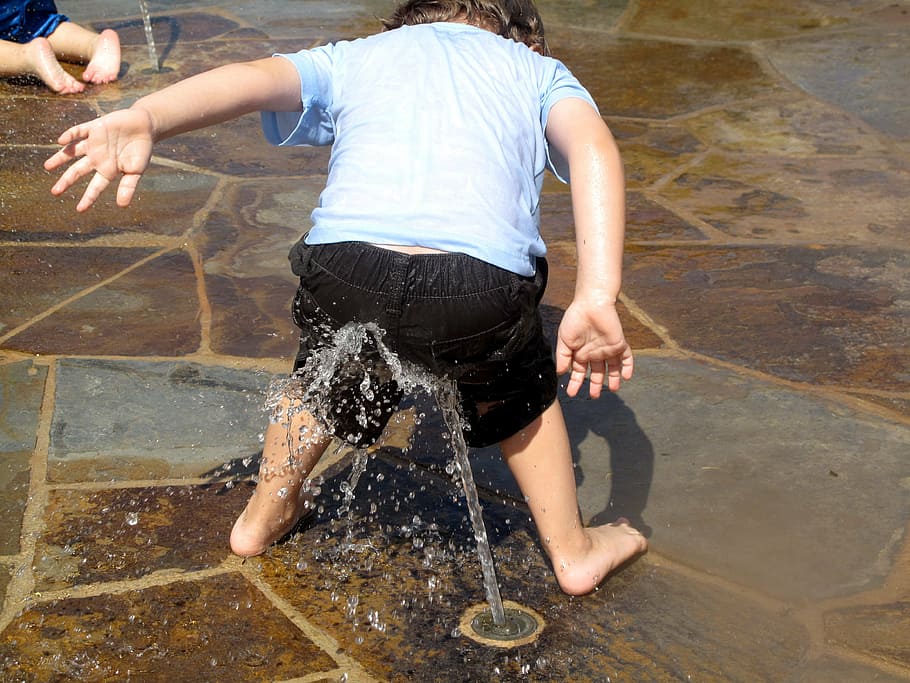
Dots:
(183, 419)
(151, 310)
(219, 628)
(761, 446)
(876, 631)
(823, 315)
(403, 536)
(129, 533)
(164, 205)
(655, 79)
(756, 197)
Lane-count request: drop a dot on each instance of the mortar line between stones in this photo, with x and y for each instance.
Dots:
(81, 294)
(156, 579)
(22, 581)
(869, 660)
(630, 10)
(319, 637)
(323, 676)
(659, 330)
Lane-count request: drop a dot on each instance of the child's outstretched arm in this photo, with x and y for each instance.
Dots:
(120, 143)
(590, 335)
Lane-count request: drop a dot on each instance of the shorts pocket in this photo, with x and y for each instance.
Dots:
(496, 343)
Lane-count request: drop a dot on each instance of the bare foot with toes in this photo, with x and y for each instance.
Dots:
(608, 547)
(104, 65)
(43, 63)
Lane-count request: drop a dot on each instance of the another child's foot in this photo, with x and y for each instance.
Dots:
(269, 516)
(45, 66)
(609, 546)
(104, 66)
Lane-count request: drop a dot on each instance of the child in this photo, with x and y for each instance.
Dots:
(33, 36)
(441, 128)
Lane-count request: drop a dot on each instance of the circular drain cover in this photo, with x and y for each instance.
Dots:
(517, 625)
(521, 625)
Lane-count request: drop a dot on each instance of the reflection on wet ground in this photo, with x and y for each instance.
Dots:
(762, 445)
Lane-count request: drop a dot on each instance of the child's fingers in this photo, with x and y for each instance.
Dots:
(71, 176)
(127, 188)
(95, 187)
(74, 134)
(596, 378)
(564, 356)
(576, 378)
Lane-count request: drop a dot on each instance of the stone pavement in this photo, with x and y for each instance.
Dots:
(763, 445)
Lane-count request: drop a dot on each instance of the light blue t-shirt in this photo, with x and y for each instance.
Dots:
(438, 139)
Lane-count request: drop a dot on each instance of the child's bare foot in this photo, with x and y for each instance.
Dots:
(608, 547)
(104, 66)
(44, 65)
(273, 510)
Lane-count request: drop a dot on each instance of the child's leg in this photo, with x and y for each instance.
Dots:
(540, 459)
(73, 43)
(36, 58)
(293, 446)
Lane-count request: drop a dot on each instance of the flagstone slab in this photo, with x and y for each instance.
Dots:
(15, 468)
(839, 200)
(658, 79)
(165, 203)
(863, 71)
(21, 395)
(35, 279)
(737, 20)
(602, 15)
(116, 420)
(824, 315)
(152, 310)
(22, 387)
(787, 125)
(120, 534)
(795, 496)
(220, 628)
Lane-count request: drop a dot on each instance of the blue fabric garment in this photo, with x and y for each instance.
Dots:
(23, 20)
(438, 139)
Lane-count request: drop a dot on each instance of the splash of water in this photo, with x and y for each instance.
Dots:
(319, 369)
(149, 36)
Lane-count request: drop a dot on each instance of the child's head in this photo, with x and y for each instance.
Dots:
(515, 19)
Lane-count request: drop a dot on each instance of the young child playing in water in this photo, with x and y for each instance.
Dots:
(428, 227)
(33, 37)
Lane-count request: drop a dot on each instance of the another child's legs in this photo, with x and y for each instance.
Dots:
(293, 446)
(73, 43)
(540, 459)
(37, 58)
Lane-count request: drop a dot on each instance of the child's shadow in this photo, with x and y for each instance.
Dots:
(631, 465)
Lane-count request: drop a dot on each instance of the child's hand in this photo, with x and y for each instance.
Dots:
(115, 144)
(590, 336)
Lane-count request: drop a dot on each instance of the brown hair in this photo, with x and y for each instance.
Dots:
(518, 20)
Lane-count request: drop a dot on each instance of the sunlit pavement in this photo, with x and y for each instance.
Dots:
(763, 446)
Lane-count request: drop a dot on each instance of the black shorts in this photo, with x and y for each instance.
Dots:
(452, 314)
